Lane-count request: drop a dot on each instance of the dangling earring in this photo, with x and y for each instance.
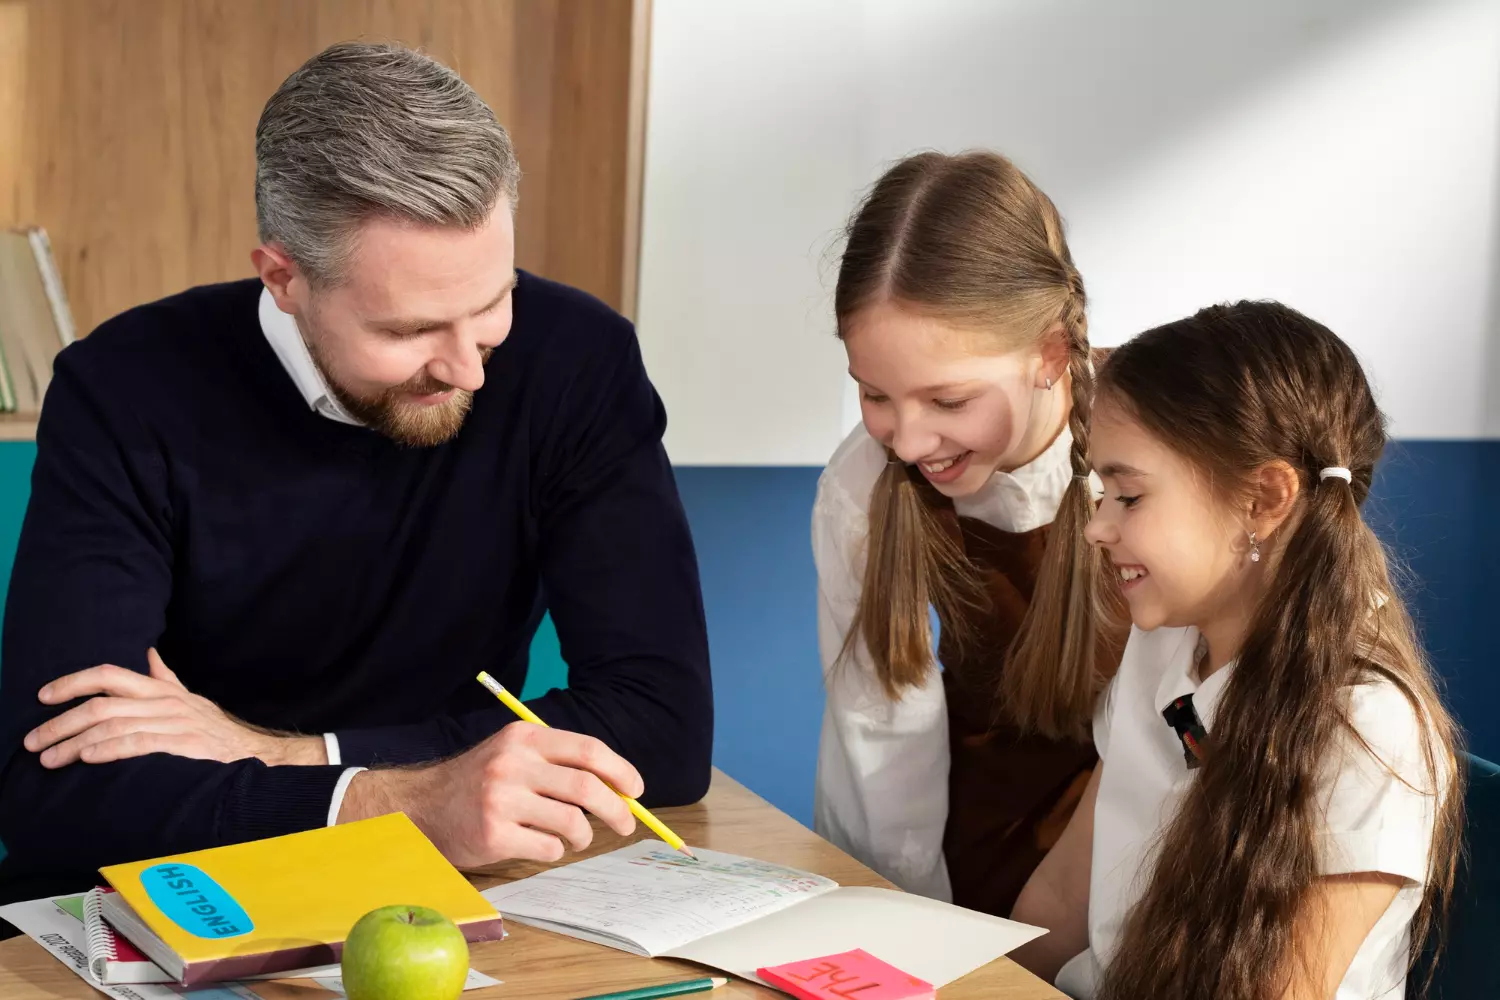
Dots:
(1254, 549)
(1049, 385)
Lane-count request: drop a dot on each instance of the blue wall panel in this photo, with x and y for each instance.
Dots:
(750, 526)
(1431, 505)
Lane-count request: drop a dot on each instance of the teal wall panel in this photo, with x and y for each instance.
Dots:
(16, 458)
(546, 669)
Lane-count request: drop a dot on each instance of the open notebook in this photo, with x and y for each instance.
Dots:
(739, 914)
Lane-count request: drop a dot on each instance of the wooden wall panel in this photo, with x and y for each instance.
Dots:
(127, 126)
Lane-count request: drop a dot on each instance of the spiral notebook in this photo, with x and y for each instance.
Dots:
(112, 959)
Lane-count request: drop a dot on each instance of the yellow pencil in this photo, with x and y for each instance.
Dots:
(643, 814)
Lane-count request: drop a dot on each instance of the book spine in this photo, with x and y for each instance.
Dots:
(29, 380)
(17, 377)
(99, 939)
(62, 315)
(7, 387)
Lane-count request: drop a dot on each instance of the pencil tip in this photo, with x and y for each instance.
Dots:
(689, 852)
(719, 981)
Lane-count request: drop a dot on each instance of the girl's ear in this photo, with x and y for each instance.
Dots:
(1054, 356)
(1276, 486)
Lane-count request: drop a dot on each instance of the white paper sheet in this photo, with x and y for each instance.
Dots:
(335, 984)
(58, 931)
(934, 941)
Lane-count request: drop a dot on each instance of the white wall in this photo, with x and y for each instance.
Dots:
(1341, 155)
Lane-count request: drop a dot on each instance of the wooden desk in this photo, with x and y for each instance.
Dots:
(534, 963)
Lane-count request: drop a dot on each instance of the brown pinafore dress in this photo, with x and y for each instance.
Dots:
(1009, 794)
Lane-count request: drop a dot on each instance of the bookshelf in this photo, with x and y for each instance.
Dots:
(17, 426)
(127, 130)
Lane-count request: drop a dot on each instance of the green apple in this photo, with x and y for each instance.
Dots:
(405, 953)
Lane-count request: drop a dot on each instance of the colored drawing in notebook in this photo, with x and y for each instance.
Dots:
(72, 905)
(855, 974)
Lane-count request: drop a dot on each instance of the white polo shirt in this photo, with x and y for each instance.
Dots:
(1373, 820)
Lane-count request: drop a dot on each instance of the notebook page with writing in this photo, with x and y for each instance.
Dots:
(934, 941)
(647, 898)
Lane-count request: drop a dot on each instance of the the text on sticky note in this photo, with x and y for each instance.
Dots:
(856, 975)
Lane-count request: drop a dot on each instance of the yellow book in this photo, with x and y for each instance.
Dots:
(284, 903)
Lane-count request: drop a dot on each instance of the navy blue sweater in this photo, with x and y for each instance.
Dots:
(314, 576)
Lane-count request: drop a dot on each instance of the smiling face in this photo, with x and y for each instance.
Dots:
(403, 340)
(943, 399)
(1180, 549)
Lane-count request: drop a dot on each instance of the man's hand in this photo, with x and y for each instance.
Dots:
(522, 793)
(137, 714)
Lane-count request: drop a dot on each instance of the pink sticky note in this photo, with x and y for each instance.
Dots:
(855, 974)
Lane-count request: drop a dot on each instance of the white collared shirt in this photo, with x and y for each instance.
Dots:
(285, 338)
(882, 786)
(1374, 821)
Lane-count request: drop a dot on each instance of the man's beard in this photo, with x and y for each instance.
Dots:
(386, 411)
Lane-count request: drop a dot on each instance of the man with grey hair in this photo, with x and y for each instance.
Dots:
(328, 497)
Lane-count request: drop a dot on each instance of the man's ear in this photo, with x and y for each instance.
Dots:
(1275, 486)
(279, 273)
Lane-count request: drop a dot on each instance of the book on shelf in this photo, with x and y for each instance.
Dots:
(35, 319)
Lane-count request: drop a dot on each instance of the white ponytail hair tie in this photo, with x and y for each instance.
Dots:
(1335, 472)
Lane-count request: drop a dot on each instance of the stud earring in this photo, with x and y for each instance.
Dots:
(1254, 548)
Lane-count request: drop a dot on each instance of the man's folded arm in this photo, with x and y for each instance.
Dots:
(91, 585)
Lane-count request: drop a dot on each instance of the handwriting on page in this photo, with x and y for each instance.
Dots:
(654, 897)
(853, 974)
(772, 880)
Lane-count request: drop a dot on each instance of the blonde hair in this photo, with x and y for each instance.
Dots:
(971, 240)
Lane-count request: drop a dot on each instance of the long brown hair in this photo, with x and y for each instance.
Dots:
(1231, 389)
(971, 240)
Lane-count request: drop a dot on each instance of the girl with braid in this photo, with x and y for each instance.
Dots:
(952, 757)
(1277, 811)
